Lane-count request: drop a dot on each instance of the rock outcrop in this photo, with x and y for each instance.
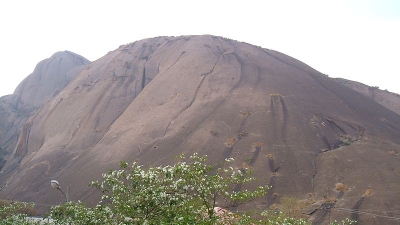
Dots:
(49, 77)
(386, 98)
(149, 101)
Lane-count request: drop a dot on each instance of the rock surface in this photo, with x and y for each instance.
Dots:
(149, 101)
(49, 77)
(387, 99)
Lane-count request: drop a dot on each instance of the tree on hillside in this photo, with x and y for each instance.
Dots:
(184, 193)
(188, 192)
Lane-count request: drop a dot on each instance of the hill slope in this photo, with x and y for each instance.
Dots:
(299, 130)
(49, 77)
(387, 99)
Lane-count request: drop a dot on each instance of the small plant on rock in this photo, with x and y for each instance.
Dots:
(340, 187)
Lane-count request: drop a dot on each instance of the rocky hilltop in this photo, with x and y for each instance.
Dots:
(302, 133)
(49, 77)
(388, 99)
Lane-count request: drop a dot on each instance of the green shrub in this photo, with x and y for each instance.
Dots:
(8, 208)
(12, 213)
(184, 193)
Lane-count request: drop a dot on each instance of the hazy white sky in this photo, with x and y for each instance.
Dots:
(355, 39)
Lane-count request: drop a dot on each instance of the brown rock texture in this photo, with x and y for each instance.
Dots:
(388, 99)
(49, 77)
(151, 100)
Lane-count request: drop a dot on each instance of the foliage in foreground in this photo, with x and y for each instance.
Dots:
(184, 193)
(16, 213)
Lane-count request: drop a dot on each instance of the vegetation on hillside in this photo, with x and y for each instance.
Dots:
(189, 192)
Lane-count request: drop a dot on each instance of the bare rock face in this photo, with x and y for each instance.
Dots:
(11, 117)
(149, 101)
(49, 77)
(387, 99)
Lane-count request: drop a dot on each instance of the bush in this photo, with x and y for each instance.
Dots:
(184, 193)
(8, 208)
(340, 187)
(16, 213)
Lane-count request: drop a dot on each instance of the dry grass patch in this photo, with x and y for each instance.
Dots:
(368, 192)
(330, 200)
(275, 95)
(230, 142)
(245, 166)
(340, 187)
(257, 144)
(243, 134)
(245, 113)
(291, 207)
(392, 152)
(274, 206)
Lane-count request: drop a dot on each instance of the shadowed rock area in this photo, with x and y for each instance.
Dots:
(49, 77)
(149, 101)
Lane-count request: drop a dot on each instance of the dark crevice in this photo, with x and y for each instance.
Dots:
(271, 165)
(162, 59)
(334, 124)
(278, 109)
(16, 134)
(127, 67)
(355, 215)
(196, 92)
(212, 69)
(144, 78)
(207, 46)
(325, 142)
(284, 122)
(22, 146)
(258, 69)
(314, 174)
(323, 212)
(227, 152)
(255, 155)
(167, 128)
(177, 59)
(201, 82)
(241, 65)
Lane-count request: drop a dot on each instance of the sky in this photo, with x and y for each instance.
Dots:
(355, 39)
